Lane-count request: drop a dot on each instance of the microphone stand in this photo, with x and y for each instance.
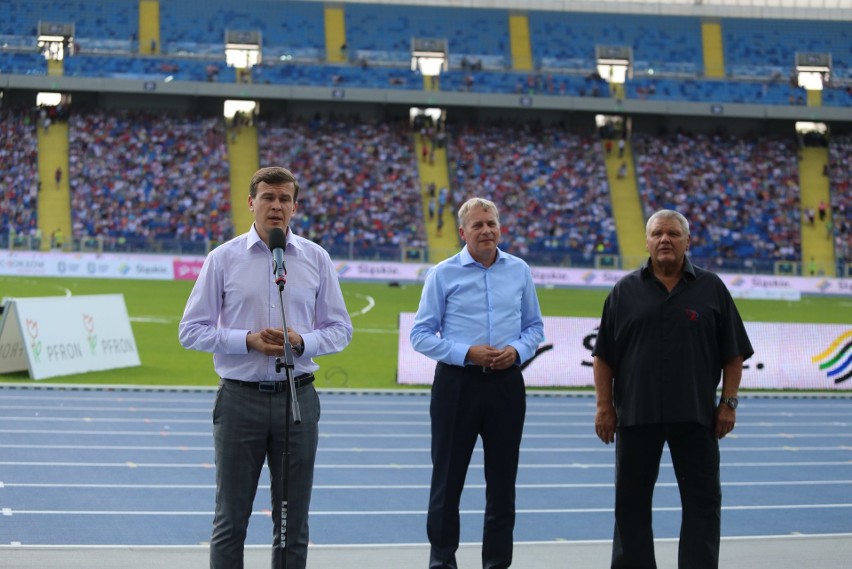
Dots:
(292, 402)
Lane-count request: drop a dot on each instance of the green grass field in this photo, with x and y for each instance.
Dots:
(155, 307)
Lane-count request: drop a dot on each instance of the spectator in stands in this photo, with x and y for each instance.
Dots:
(741, 193)
(655, 384)
(19, 182)
(228, 314)
(364, 193)
(840, 164)
(128, 172)
(478, 389)
(552, 182)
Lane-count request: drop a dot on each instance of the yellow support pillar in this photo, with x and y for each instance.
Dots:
(149, 27)
(54, 198)
(441, 227)
(55, 68)
(626, 204)
(814, 98)
(335, 34)
(244, 161)
(519, 35)
(714, 51)
(817, 239)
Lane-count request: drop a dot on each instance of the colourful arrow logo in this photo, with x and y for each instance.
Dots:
(837, 358)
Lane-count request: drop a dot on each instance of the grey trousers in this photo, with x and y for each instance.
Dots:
(248, 428)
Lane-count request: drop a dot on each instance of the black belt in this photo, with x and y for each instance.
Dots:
(275, 386)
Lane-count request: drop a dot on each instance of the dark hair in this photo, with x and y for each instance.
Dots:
(273, 175)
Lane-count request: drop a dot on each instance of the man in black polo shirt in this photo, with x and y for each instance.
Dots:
(668, 331)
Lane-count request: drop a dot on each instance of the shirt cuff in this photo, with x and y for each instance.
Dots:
(458, 353)
(309, 345)
(235, 342)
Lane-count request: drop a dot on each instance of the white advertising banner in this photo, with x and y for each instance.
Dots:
(64, 335)
(100, 266)
(171, 267)
(787, 356)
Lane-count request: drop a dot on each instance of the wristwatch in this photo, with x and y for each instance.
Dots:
(731, 402)
(299, 348)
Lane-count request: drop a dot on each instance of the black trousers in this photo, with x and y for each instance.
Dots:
(695, 455)
(468, 403)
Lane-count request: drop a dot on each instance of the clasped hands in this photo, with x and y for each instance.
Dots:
(491, 357)
(270, 341)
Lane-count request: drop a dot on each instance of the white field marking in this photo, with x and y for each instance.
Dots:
(160, 433)
(113, 447)
(331, 546)
(108, 407)
(380, 487)
(397, 466)
(371, 303)
(528, 425)
(145, 420)
(153, 319)
(386, 450)
(326, 435)
(418, 512)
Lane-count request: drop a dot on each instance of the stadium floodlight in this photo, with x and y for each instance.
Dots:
(614, 63)
(242, 48)
(813, 70)
(55, 39)
(430, 56)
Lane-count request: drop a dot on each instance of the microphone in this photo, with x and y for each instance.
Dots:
(277, 242)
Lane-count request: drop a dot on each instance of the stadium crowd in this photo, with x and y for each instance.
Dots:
(741, 193)
(840, 165)
(148, 175)
(551, 186)
(19, 180)
(359, 180)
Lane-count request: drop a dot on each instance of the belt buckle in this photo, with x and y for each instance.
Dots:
(486, 369)
(267, 386)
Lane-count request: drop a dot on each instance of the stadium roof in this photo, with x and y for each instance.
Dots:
(809, 9)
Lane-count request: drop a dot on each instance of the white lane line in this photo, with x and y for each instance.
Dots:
(396, 466)
(382, 487)
(419, 512)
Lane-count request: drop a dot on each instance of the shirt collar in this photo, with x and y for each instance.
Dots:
(688, 269)
(467, 259)
(254, 238)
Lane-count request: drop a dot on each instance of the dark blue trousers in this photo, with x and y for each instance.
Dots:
(695, 455)
(466, 404)
(248, 428)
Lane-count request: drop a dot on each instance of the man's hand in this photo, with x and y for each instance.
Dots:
(726, 418)
(605, 420)
(269, 341)
(494, 358)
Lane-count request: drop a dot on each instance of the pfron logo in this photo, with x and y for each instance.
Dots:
(35, 343)
(836, 360)
(91, 337)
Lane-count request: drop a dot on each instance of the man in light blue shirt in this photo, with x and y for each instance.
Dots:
(480, 319)
(233, 312)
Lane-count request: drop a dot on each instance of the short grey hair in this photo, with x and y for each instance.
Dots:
(481, 203)
(667, 214)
